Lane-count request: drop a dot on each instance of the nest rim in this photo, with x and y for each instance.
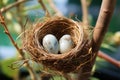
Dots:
(61, 56)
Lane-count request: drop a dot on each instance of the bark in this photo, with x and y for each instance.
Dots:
(101, 27)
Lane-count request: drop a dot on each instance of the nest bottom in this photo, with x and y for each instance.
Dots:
(70, 64)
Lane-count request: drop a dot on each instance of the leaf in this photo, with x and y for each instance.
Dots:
(58, 78)
(107, 46)
(7, 70)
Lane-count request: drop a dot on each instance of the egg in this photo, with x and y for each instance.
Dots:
(50, 43)
(66, 43)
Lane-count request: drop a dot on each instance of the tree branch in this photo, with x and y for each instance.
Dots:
(4, 9)
(55, 8)
(31, 71)
(84, 12)
(103, 21)
(20, 18)
(44, 8)
(2, 21)
(109, 59)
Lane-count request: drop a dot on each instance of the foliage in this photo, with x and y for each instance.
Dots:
(6, 69)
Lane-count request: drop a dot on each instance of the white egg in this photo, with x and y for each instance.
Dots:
(66, 43)
(50, 43)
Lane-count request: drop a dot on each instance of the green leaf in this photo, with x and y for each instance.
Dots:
(58, 78)
(7, 70)
(107, 46)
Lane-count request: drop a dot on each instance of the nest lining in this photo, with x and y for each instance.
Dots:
(58, 26)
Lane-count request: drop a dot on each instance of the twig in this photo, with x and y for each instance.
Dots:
(4, 9)
(2, 21)
(103, 21)
(44, 8)
(55, 8)
(32, 73)
(85, 12)
(109, 59)
(20, 18)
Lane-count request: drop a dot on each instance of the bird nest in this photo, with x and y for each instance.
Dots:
(58, 26)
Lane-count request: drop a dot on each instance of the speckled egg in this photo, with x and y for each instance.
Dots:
(66, 43)
(50, 43)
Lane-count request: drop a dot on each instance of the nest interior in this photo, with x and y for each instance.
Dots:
(58, 26)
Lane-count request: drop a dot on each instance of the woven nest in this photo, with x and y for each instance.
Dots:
(58, 26)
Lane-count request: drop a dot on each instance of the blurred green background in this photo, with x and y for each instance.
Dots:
(31, 9)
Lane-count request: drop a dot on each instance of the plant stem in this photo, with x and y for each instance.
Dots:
(44, 8)
(109, 59)
(55, 8)
(20, 18)
(85, 12)
(31, 71)
(4, 9)
(2, 21)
